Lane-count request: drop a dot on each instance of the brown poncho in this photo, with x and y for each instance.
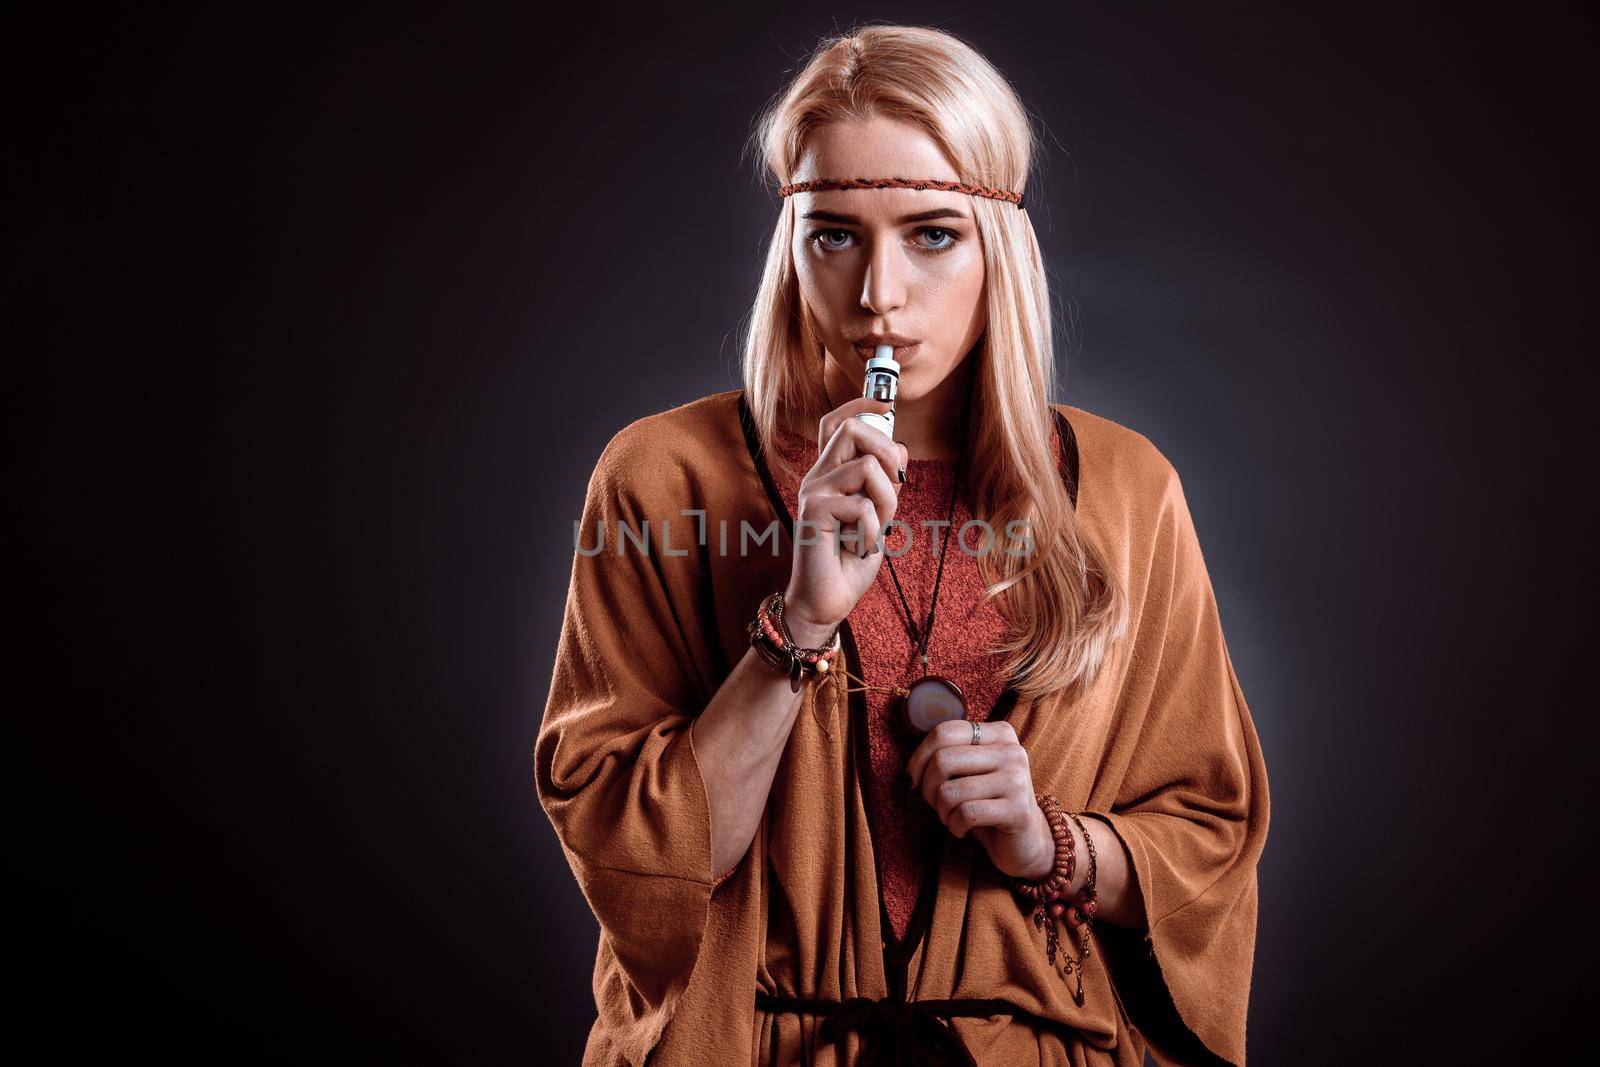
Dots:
(690, 970)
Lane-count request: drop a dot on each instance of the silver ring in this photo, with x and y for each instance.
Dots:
(977, 729)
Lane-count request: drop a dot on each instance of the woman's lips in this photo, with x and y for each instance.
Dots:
(866, 351)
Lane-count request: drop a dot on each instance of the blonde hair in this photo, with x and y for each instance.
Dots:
(1062, 597)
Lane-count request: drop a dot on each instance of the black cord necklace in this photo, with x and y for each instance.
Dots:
(933, 698)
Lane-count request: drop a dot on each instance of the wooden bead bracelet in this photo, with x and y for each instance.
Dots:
(1047, 895)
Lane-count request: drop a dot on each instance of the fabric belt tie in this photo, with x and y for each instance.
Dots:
(895, 1033)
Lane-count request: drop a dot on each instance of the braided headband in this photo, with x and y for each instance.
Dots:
(819, 184)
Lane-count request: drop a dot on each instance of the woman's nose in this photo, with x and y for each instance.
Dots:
(884, 288)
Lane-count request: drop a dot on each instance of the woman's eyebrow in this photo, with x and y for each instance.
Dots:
(904, 220)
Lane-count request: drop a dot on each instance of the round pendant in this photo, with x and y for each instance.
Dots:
(931, 700)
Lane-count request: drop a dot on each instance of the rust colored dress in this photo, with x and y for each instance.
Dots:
(804, 952)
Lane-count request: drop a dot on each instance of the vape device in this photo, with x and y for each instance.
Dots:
(883, 381)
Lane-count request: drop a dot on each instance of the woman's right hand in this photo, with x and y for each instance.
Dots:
(854, 481)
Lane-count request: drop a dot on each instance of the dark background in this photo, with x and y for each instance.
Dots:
(318, 320)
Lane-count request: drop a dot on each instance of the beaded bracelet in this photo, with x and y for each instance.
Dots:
(1060, 876)
(770, 637)
(1081, 911)
(1046, 895)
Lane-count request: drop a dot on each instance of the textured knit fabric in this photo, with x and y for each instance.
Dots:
(1161, 747)
(966, 628)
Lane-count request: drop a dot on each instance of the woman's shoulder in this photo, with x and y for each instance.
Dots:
(1117, 465)
(683, 431)
(664, 451)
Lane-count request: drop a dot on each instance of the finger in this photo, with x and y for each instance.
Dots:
(957, 791)
(847, 412)
(827, 509)
(852, 438)
(977, 813)
(862, 475)
(953, 764)
(855, 518)
(954, 761)
(958, 732)
(932, 763)
(916, 766)
(919, 758)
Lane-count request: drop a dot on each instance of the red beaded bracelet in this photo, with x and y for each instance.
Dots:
(771, 639)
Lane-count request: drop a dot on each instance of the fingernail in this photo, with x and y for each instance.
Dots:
(902, 476)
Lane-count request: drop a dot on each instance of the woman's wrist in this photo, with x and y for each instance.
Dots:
(1045, 856)
(806, 633)
(774, 641)
(1044, 849)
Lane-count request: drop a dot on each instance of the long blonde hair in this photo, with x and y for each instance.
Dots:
(1062, 597)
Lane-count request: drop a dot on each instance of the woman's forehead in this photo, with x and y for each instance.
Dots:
(872, 148)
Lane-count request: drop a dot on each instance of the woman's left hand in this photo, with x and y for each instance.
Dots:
(986, 788)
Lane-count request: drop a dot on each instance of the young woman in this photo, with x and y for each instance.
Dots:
(914, 749)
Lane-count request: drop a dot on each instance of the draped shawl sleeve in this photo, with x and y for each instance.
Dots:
(1191, 808)
(615, 761)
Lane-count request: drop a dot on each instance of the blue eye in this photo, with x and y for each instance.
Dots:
(821, 238)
